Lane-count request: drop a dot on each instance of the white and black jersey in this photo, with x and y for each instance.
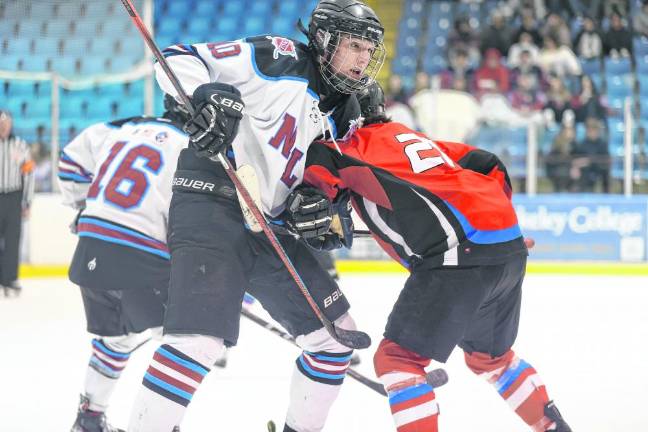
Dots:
(16, 168)
(287, 104)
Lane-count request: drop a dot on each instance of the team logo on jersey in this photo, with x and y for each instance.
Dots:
(92, 264)
(283, 46)
(161, 137)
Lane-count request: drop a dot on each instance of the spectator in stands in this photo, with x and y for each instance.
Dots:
(617, 41)
(559, 160)
(462, 38)
(588, 103)
(556, 28)
(592, 158)
(459, 69)
(525, 98)
(586, 8)
(497, 35)
(640, 20)
(528, 67)
(530, 26)
(492, 76)
(588, 43)
(620, 7)
(43, 167)
(558, 109)
(557, 59)
(525, 43)
(395, 90)
(421, 81)
(16, 192)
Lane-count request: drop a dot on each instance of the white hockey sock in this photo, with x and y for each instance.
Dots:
(314, 389)
(104, 369)
(177, 369)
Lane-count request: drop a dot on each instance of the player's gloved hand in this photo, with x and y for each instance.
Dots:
(308, 212)
(214, 125)
(341, 231)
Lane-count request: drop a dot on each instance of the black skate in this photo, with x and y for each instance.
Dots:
(91, 421)
(272, 427)
(553, 414)
(12, 289)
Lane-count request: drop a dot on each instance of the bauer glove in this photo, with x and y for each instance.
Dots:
(214, 125)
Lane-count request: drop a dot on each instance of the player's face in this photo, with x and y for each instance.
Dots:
(352, 57)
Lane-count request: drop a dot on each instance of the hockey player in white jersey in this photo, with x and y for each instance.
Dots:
(119, 175)
(263, 100)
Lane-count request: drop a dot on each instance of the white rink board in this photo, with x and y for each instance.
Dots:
(585, 335)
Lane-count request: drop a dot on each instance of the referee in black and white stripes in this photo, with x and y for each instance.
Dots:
(16, 192)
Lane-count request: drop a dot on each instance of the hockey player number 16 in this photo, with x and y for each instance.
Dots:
(128, 184)
(423, 153)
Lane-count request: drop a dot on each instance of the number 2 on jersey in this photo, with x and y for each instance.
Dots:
(423, 153)
(128, 184)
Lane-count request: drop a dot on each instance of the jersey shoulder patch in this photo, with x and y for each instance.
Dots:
(280, 57)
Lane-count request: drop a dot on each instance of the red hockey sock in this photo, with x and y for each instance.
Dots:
(411, 399)
(517, 382)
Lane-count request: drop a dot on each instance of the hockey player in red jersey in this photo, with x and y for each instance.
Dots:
(443, 210)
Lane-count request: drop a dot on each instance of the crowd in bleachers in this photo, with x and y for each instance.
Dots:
(565, 66)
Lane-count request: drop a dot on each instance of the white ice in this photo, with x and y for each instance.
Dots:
(587, 337)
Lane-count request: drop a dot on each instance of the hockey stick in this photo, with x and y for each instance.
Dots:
(436, 378)
(350, 338)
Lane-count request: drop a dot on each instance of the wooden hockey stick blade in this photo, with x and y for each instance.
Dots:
(248, 177)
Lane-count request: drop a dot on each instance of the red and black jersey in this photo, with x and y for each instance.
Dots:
(421, 205)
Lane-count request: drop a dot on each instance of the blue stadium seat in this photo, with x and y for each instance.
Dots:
(642, 64)
(65, 10)
(413, 7)
(206, 8)
(200, 25)
(100, 108)
(71, 108)
(260, 8)
(404, 65)
(92, 65)
(34, 64)
(95, 9)
(14, 106)
(253, 25)
(289, 8)
(85, 28)
(120, 64)
(619, 86)
(103, 46)
(282, 25)
(30, 28)
(38, 109)
(441, 8)
(617, 66)
(228, 25)
(75, 46)
(19, 45)
(20, 89)
(640, 45)
(57, 28)
(64, 66)
(170, 26)
(181, 9)
(591, 66)
(434, 64)
(130, 107)
(47, 46)
(234, 8)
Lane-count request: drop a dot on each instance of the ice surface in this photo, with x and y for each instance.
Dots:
(587, 337)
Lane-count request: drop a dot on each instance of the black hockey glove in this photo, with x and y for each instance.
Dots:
(214, 125)
(341, 230)
(308, 212)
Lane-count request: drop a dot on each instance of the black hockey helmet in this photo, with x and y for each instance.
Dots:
(372, 100)
(175, 111)
(333, 20)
